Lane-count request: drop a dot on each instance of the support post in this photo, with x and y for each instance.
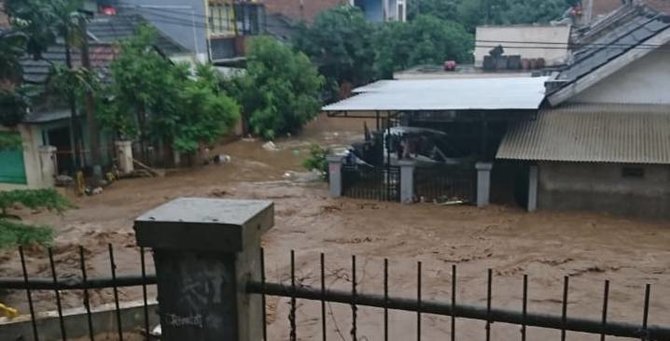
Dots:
(124, 153)
(483, 183)
(206, 251)
(48, 167)
(533, 181)
(335, 175)
(406, 181)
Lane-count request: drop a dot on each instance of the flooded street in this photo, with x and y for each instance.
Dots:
(590, 248)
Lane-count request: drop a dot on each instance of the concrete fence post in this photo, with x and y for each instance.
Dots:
(335, 175)
(406, 181)
(532, 188)
(124, 153)
(205, 252)
(48, 167)
(483, 183)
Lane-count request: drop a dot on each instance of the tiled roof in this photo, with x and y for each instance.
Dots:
(593, 133)
(111, 29)
(619, 39)
(37, 71)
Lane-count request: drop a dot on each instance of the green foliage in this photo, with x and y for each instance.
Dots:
(280, 91)
(317, 159)
(43, 21)
(425, 40)
(35, 198)
(339, 42)
(508, 12)
(13, 106)
(441, 9)
(154, 99)
(12, 48)
(10, 141)
(13, 234)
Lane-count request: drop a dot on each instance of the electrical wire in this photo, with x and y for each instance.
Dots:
(168, 19)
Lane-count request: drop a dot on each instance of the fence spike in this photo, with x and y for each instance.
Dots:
(488, 303)
(291, 317)
(453, 302)
(323, 294)
(87, 299)
(645, 315)
(418, 297)
(564, 315)
(354, 316)
(112, 266)
(263, 299)
(605, 303)
(524, 307)
(58, 302)
(386, 299)
(29, 294)
(145, 298)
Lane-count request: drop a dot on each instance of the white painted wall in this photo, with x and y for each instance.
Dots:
(32, 140)
(645, 81)
(553, 42)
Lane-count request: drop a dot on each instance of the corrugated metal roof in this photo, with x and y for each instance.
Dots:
(618, 39)
(593, 133)
(37, 71)
(446, 94)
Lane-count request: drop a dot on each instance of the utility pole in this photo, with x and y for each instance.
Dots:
(89, 100)
(74, 139)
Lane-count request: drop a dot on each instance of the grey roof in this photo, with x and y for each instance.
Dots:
(111, 29)
(593, 133)
(446, 94)
(47, 116)
(37, 71)
(620, 38)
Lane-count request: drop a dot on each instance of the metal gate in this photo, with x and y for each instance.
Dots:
(456, 184)
(374, 183)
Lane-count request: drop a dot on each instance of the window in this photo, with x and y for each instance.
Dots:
(632, 172)
(221, 19)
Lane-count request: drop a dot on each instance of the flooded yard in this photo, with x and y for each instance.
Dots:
(590, 248)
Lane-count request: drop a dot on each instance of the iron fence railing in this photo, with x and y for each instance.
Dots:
(453, 309)
(372, 183)
(444, 184)
(523, 318)
(84, 284)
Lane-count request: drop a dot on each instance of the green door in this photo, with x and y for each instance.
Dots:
(12, 167)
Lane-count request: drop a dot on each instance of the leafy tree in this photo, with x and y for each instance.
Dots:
(155, 100)
(44, 21)
(281, 89)
(441, 9)
(425, 40)
(339, 42)
(12, 231)
(508, 12)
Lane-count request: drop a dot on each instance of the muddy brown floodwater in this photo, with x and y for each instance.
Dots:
(547, 246)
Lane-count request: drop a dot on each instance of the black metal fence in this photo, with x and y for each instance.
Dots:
(373, 183)
(445, 184)
(522, 318)
(353, 298)
(83, 284)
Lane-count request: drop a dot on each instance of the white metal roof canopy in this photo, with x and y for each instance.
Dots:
(525, 93)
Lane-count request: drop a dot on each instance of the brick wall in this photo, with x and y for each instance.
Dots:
(604, 7)
(292, 10)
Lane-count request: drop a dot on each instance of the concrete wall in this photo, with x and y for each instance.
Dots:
(489, 36)
(188, 27)
(644, 81)
(602, 188)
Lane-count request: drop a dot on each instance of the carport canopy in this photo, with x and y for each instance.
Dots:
(435, 95)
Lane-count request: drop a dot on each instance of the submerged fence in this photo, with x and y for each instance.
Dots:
(373, 183)
(523, 318)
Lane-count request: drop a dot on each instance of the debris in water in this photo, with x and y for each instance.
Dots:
(270, 146)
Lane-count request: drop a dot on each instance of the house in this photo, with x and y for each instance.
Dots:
(382, 10)
(602, 143)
